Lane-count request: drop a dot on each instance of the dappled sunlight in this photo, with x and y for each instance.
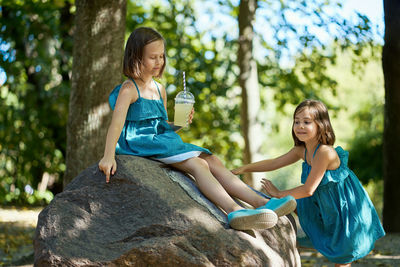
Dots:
(101, 64)
(78, 226)
(28, 217)
(296, 58)
(118, 16)
(96, 116)
(256, 239)
(203, 218)
(99, 25)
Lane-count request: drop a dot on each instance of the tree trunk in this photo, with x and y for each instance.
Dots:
(97, 68)
(248, 80)
(391, 144)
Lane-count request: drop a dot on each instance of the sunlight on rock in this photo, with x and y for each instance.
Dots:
(203, 218)
(150, 215)
(79, 225)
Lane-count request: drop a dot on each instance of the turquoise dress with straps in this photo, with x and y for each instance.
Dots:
(146, 132)
(339, 218)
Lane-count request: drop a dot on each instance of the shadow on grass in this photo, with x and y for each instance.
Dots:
(16, 244)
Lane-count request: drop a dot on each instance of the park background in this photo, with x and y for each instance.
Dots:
(327, 50)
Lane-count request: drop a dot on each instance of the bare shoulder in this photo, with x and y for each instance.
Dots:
(162, 90)
(328, 153)
(161, 87)
(128, 84)
(128, 89)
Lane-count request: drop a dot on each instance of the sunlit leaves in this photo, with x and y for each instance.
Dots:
(296, 43)
(36, 37)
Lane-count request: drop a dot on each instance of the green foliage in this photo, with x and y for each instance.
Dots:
(36, 48)
(36, 57)
(359, 114)
(366, 148)
(305, 37)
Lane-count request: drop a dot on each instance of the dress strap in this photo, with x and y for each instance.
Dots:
(315, 151)
(137, 88)
(305, 154)
(158, 89)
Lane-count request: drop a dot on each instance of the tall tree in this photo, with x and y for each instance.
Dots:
(391, 145)
(96, 69)
(248, 81)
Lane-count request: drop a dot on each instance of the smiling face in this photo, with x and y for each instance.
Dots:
(153, 58)
(311, 123)
(304, 126)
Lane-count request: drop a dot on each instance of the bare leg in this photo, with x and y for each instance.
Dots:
(232, 184)
(343, 265)
(207, 183)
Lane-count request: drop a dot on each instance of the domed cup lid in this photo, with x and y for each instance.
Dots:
(185, 97)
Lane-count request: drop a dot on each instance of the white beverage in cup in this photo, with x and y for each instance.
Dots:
(183, 106)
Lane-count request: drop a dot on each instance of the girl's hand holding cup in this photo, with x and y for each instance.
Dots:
(184, 111)
(190, 118)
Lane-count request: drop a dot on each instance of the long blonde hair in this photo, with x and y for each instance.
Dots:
(320, 115)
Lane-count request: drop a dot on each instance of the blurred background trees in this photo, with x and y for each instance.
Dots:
(36, 49)
(302, 49)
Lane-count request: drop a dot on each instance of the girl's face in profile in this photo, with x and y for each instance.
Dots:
(153, 58)
(304, 126)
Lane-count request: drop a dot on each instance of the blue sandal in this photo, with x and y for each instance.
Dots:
(247, 219)
(281, 206)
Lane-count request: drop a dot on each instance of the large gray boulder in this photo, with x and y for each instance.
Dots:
(150, 215)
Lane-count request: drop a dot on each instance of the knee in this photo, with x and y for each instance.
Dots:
(213, 161)
(198, 164)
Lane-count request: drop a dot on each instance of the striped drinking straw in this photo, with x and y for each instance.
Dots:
(184, 82)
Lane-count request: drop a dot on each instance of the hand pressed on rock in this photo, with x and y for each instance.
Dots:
(108, 166)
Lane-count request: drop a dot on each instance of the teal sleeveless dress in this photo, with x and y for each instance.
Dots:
(339, 218)
(146, 132)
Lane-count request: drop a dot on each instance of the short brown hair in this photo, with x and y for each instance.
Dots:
(133, 57)
(320, 115)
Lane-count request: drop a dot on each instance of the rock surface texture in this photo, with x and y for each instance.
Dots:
(150, 215)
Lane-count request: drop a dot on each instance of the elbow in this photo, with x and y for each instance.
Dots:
(308, 192)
